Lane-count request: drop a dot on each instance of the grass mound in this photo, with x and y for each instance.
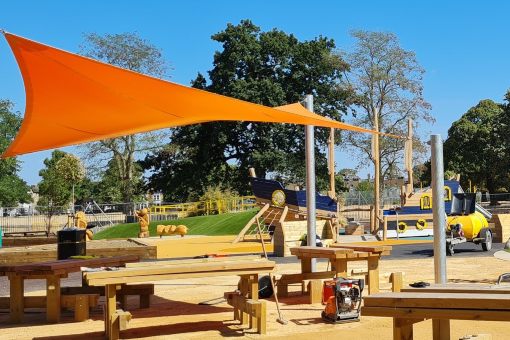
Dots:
(211, 225)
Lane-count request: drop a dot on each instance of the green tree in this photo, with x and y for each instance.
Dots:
(71, 169)
(475, 147)
(131, 52)
(13, 189)
(387, 81)
(54, 191)
(270, 68)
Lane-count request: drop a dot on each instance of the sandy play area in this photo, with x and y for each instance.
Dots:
(176, 314)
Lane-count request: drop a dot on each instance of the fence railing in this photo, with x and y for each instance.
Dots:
(209, 207)
(102, 216)
(356, 205)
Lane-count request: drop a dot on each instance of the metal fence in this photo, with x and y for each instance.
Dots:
(45, 219)
(101, 216)
(356, 204)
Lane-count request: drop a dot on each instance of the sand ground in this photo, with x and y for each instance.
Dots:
(175, 313)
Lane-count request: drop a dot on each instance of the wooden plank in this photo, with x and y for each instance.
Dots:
(110, 308)
(187, 268)
(189, 261)
(68, 265)
(298, 278)
(437, 313)
(174, 276)
(81, 308)
(53, 299)
(318, 250)
(460, 288)
(373, 275)
(372, 249)
(16, 308)
(402, 329)
(440, 329)
(439, 300)
(39, 301)
(340, 267)
(174, 263)
(250, 223)
(315, 291)
(396, 280)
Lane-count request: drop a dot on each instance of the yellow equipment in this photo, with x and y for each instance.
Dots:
(471, 224)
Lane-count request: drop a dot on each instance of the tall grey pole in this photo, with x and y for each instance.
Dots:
(438, 209)
(310, 179)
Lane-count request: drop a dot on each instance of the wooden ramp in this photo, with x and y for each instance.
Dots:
(268, 218)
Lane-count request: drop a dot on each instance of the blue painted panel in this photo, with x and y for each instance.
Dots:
(264, 188)
(415, 210)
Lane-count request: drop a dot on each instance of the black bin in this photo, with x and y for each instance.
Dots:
(71, 242)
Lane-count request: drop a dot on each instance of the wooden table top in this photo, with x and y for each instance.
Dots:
(330, 253)
(433, 300)
(382, 249)
(66, 266)
(175, 271)
(460, 288)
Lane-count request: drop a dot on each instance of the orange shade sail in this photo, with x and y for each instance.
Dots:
(71, 99)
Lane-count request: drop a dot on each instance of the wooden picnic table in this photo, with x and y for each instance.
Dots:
(441, 303)
(247, 308)
(52, 272)
(340, 254)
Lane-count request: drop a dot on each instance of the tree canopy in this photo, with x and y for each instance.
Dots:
(270, 68)
(388, 85)
(131, 52)
(13, 189)
(476, 147)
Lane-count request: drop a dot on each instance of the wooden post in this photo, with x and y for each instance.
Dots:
(53, 298)
(261, 318)
(396, 280)
(306, 265)
(315, 291)
(331, 163)
(377, 165)
(373, 274)
(16, 304)
(385, 228)
(402, 329)
(373, 226)
(81, 308)
(110, 308)
(440, 329)
(409, 156)
(340, 266)
(253, 294)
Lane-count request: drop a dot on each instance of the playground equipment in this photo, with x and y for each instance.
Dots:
(465, 224)
(143, 219)
(282, 217)
(413, 218)
(167, 230)
(80, 221)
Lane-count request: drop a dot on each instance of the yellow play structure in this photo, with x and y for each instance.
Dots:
(167, 230)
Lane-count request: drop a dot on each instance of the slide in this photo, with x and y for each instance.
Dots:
(483, 211)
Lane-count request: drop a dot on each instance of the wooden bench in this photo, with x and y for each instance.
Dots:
(314, 287)
(439, 303)
(144, 291)
(52, 272)
(245, 304)
(119, 321)
(80, 303)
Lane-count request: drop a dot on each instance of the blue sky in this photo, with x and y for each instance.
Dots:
(463, 45)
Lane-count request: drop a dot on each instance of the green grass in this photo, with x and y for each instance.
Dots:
(212, 225)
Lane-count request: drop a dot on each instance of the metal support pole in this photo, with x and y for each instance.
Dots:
(438, 210)
(310, 179)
